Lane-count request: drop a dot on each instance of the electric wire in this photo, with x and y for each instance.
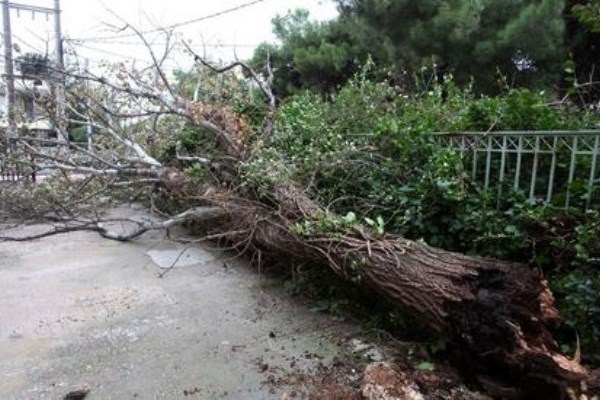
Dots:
(174, 26)
(211, 45)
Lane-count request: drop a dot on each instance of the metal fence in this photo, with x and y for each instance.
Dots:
(558, 167)
(14, 172)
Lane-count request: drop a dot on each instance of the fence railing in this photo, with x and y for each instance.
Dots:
(13, 172)
(558, 167)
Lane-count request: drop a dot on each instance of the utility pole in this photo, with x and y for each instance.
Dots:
(60, 87)
(58, 35)
(9, 76)
(60, 119)
(90, 121)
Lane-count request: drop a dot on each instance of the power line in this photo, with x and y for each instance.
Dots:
(113, 53)
(110, 53)
(26, 43)
(38, 37)
(165, 43)
(174, 26)
(98, 62)
(122, 57)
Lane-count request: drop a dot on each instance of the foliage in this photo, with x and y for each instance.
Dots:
(206, 86)
(579, 294)
(582, 34)
(365, 153)
(194, 140)
(588, 14)
(28, 201)
(520, 39)
(313, 55)
(78, 134)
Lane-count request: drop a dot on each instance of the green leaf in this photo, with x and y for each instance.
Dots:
(511, 230)
(443, 184)
(426, 366)
(349, 218)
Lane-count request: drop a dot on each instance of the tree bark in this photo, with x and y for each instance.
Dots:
(497, 313)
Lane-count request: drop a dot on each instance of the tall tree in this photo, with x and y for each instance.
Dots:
(521, 39)
(310, 55)
(582, 37)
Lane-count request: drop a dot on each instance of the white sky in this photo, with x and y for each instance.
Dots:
(91, 19)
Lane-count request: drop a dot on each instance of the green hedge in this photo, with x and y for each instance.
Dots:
(366, 151)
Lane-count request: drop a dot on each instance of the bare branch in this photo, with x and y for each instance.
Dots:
(100, 226)
(125, 171)
(135, 183)
(264, 86)
(200, 160)
(174, 104)
(157, 63)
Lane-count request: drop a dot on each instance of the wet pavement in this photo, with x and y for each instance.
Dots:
(78, 311)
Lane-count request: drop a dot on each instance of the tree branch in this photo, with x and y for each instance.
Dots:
(100, 226)
(265, 87)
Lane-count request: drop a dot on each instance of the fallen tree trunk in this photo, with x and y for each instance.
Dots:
(497, 313)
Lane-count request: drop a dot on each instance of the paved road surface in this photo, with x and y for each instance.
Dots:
(80, 311)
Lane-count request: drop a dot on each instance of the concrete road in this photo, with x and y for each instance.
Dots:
(79, 311)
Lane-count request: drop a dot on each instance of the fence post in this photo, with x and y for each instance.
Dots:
(488, 163)
(592, 172)
(552, 171)
(519, 160)
(536, 155)
(571, 171)
(502, 168)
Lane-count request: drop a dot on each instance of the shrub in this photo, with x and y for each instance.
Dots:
(366, 151)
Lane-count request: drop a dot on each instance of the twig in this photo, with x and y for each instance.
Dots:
(170, 267)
